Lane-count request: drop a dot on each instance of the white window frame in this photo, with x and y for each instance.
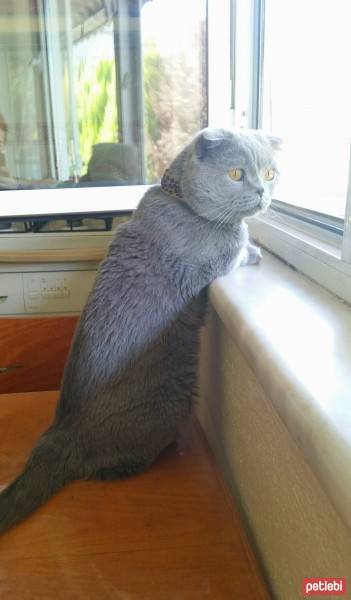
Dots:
(321, 254)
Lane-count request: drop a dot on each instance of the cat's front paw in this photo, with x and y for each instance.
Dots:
(252, 255)
(255, 255)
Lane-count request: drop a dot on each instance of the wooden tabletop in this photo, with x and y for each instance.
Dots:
(169, 534)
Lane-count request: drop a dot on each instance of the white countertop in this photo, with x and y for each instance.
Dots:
(297, 339)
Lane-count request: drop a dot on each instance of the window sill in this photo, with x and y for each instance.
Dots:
(297, 339)
(68, 201)
(319, 259)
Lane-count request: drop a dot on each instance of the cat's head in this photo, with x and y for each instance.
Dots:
(225, 176)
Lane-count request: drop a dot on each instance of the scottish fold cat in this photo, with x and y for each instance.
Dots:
(130, 379)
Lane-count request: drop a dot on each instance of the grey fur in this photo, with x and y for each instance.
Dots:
(130, 380)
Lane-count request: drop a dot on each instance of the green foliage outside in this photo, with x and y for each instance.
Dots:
(155, 78)
(96, 106)
(173, 106)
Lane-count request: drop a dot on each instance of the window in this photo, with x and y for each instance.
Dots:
(292, 79)
(103, 93)
(307, 99)
(98, 92)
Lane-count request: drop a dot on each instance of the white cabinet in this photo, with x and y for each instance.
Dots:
(44, 292)
(57, 292)
(11, 293)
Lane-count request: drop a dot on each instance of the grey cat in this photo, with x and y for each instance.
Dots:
(130, 379)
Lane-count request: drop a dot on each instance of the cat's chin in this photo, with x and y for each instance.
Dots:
(264, 204)
(260, 207)
(255, 205)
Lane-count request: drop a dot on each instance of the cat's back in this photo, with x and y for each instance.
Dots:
(128, 307)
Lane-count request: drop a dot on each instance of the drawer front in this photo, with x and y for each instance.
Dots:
(33, 352)
(11, 293)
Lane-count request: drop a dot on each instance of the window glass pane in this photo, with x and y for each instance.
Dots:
(307, 99)
(98, 92)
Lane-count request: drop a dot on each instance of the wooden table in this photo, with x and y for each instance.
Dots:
(169, 534)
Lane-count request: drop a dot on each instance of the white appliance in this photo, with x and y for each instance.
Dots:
(42, 292)
(42, 288)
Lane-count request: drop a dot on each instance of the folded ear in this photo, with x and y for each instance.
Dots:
(208, 140)
(275, 142)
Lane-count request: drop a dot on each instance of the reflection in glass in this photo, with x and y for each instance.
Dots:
(98, 92)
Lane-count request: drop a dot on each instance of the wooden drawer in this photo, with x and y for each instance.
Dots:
(33, 352)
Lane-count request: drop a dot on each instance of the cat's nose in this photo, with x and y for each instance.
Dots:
(260, 191)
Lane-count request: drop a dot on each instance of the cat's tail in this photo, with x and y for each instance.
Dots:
(49, 468)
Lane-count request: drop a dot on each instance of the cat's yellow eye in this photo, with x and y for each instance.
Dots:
(236, 174)
(269, 174)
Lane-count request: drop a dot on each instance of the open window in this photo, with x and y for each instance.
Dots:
(96, 93)
(292, 79)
